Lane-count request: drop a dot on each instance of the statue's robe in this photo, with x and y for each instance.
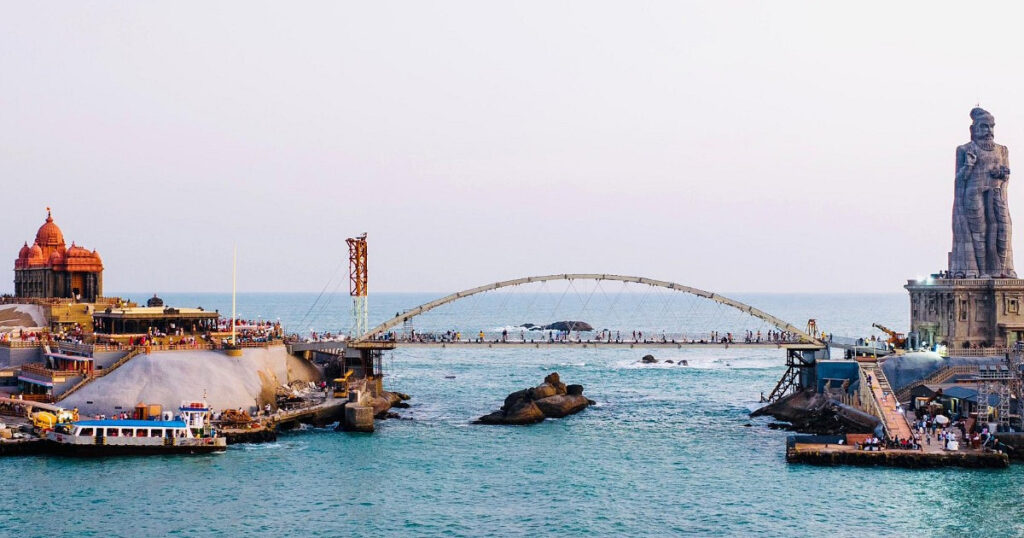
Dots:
(981, 217)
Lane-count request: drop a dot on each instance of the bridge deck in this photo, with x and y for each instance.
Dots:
(585, 344)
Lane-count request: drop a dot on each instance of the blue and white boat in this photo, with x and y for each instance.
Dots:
(186, 435)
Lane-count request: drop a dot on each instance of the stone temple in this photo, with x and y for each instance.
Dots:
(50, 270)
(976, 302)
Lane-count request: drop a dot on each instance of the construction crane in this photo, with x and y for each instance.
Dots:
(358, 279)
(898, 340)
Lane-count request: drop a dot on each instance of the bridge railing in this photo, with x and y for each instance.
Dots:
(585, 337)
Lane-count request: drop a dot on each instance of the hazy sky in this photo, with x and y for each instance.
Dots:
(730, 146)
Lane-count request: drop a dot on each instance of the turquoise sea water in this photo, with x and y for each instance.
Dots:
(668, 450)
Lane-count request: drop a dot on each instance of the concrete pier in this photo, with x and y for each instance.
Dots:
(358, 418)
(825, 450)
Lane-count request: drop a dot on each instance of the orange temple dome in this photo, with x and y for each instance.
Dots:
(49, 234)
(35, 256)
(49, 269)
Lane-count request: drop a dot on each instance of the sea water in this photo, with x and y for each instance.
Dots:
(667, 450)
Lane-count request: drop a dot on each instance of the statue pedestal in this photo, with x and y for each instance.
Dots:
(966, 313)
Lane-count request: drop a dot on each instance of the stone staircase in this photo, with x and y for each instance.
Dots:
(134, 352)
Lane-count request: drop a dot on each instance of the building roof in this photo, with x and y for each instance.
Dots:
(48, 250)
(132, 423)
(154, 312)
(49, 234)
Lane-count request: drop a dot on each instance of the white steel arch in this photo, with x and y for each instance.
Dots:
(426, 307)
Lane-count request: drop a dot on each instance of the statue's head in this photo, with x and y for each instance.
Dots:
(983, 125)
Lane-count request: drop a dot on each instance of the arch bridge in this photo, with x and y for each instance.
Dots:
(794, 337)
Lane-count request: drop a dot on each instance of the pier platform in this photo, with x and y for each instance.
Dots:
(826, 450)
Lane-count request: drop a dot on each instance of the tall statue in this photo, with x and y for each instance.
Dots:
(981, 217)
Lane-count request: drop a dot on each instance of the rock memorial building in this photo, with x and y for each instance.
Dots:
(49, 269)
(976, 303)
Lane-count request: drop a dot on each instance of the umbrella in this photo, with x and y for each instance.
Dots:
(941, 419)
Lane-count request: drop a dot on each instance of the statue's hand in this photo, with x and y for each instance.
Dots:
(972, 159)
(1000, 172)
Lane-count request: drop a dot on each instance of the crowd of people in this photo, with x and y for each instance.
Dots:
(605, 335)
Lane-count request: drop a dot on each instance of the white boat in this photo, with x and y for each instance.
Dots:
(186, 435)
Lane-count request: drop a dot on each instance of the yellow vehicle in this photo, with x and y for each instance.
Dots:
(48, 420)
(341, 385)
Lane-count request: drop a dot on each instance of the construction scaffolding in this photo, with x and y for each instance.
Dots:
(1006, 385)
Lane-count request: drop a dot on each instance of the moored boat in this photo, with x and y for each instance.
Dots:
(189, 433)
(127, 437)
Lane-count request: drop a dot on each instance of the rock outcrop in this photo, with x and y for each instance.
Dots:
(560, 326)
(648, 359)
(550, 399)
(568, 326)
(810, 412)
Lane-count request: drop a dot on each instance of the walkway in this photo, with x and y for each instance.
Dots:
(895, 422)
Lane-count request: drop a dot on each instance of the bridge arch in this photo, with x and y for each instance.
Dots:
(721, 299)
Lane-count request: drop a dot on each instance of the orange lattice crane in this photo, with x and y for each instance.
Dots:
(358, 279)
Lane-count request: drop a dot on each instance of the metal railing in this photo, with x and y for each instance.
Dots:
(939, 376)
(976, 352)
(42, 372)
(21, 344)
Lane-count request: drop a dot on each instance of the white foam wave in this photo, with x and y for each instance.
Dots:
(702, 363)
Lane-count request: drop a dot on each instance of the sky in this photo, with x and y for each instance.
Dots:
(730, 146)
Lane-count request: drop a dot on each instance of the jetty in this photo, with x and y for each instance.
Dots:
(877, 396)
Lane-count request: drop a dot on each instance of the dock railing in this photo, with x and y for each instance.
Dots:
(977, 352)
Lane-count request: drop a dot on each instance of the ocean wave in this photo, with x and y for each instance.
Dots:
(702, 363)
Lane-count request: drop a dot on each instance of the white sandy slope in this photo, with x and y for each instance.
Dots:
(21, 316)
(168, 377)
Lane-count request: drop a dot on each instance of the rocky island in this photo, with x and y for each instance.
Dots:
(550, 399)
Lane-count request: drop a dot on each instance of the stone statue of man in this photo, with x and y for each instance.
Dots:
(981, 217)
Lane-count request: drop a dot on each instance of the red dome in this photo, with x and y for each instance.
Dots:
(49, 234)
(23, 253)
(35, 256)
(56, 258)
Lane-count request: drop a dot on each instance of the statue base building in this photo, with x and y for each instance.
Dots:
(976, 303)
(967, 313)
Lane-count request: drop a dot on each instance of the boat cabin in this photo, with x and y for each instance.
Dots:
(111, 429)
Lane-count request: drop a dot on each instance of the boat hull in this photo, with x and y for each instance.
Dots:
(84, 450)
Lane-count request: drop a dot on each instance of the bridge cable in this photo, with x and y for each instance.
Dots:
(612, 310)
(328, 283)
(638, 319)
(327, 303)
(590, 296)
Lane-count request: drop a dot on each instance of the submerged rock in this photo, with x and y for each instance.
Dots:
(550, 399)
(648, 359)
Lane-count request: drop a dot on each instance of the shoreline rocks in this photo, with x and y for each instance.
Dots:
(550, 399)
(810, 412)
